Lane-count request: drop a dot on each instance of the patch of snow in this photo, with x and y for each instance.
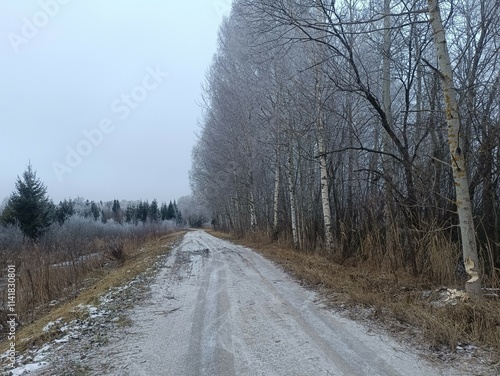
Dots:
(78, 260)
(28, 368)
(45, 348)
(51, 324)
(62, 340)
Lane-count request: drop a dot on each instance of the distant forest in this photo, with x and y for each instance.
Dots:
(30, 208)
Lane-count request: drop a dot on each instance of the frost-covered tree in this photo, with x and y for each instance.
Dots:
(195, 212)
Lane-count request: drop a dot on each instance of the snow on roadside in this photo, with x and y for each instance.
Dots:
(78, 260)
(86, 333)
(28, 368)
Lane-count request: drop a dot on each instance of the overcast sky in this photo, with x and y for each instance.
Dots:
(101, 95)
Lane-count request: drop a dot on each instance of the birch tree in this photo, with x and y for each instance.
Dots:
(458, 164)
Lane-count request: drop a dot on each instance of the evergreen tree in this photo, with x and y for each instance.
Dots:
(116, 206)
(171, 211)
(154, 213)
(94, 209)
(117, 212)
(87, 212)
(64, 210)
(7, 217)
(31, 208)
(131, 214)
(164, 212)
(143, 211)
(178, 214)
(178, 219)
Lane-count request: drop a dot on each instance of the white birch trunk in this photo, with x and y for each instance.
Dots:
(324, 184)
(325, 188)
(293, 202)
(253, 215)
(276, 198)
(251, 202)
(463, 202)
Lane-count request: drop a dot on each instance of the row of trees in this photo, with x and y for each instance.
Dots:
(30, 208)
(143, 211)
(358, 127)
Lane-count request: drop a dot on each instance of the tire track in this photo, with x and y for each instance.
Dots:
(210, 347)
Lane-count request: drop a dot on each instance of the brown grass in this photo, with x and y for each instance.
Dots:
(394, 298)
(45, 276)
(136, 261)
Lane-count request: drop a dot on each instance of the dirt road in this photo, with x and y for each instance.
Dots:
(220, 309)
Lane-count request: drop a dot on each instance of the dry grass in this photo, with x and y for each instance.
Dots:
(45, 276)
(394, 298)
(136, 261)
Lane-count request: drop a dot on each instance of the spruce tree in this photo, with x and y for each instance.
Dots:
(178, 218)
(94, 209)
(64, 210)
(154, 213)
(178, 215)
(171, 211)
(143, 211)
(117, 212)
(164, 212)
(116, 206)
(31, 207)
(131, 214)
(7, 217)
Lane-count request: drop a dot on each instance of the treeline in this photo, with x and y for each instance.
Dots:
(30, 209)
(325, 125)
(118, 211)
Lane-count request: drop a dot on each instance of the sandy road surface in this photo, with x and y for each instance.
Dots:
(219, 309)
